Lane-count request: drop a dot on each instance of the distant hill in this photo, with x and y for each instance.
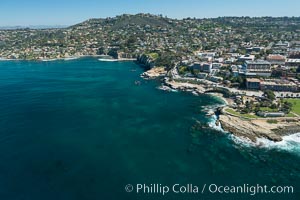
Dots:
(140, 20)
(32, 27)
(127, 20)
(129, 36)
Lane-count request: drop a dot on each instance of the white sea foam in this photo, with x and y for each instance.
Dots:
(212, 124)
(107, 60)
(242, 141)
(166, 88)
(49, 60)
(213, 118)
(71, 58)
(290, 143)
(212, 107)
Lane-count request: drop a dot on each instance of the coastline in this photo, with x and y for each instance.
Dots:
(70, 58)
(253, 130)
(195, 90)
(154, 73)
(116, 60)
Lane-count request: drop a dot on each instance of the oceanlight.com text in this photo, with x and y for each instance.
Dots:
(252, 190)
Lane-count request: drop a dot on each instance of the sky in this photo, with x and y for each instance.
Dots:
(69, 12)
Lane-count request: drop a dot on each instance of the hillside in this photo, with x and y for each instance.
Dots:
(126, 20)
(128, 36)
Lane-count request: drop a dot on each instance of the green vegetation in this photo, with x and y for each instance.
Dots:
(189, 81)
(286, 106)
(268, 109)
(134, 35)
(270, 95)
(183, 69)
(272, 121)
(295, 103)
(239, 81)
(267, 104)
(231, 111)
(290, 115)
(154, 56)
(166, 59)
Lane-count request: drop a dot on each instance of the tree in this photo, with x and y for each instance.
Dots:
(269, 51)
(166, 59)
(269, 95)
(256, 109)
(287, 107)
(131, 41)
(113, 53)
(101, 51)
(273, 106)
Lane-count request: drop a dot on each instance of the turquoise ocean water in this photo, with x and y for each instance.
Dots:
(82, 129)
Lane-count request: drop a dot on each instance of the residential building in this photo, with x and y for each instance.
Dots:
(271, 114)
(276, 59)
(292, 62)
(207, 67)
(207, 56)
(197, 66)
(255, 49)
(278, 85)
(216, 79)
(253, 83)
(246, 57)
(257, 68)
(202, 75)
(216, 65)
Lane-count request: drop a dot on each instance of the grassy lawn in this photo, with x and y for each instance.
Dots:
(296, 105)
(153, 55)
(290, 115)
(268, 109)
(231, 111)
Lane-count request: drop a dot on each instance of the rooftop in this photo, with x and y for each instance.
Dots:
(276, 57)
(278, 82)
(293, 60)
(257, 62)
(255, 80)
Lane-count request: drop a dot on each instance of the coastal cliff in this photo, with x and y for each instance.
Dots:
(146, 60)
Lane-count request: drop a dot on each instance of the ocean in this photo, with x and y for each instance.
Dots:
(83, 130)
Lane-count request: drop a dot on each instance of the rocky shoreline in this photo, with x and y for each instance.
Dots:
(154, 73)
(259, 128)
(188, 87)
(251, 129)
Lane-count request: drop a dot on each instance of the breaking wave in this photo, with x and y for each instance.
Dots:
(290, 143)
